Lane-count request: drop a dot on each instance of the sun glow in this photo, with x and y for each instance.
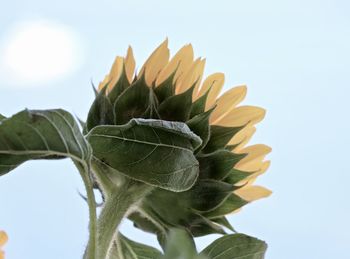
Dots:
(39, 51)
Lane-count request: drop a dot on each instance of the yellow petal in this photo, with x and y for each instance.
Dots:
(262, 169)
(216, 78)
(244, 135)
(116, 71)
(130, 64)
(227, 102)
(3, 238)
(241, 116)
(250, 166)
(155, 63)
(255, 151)
(2, 255)
(194, 74)
(258, 171)
(182, 61)
(256, 154)
(105, 81)
(215, 82)
(252, 193)
(199, 72)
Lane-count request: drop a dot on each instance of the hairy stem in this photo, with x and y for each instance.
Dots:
(120, 200)
(90, 252)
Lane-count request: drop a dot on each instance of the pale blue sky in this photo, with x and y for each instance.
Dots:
(293, 55)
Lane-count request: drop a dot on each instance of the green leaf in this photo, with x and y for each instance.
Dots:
(177, 107)
(101, 111)
(124, 248)
(181, 246)
(2, 117)
(41, 134)
(159, 153)
(132, 103)
(217, 165)
(219, 137)
(236, 246)
(232, 203)
(200, 126)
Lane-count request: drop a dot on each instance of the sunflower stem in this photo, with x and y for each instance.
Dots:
(121, 199)
(90, 252)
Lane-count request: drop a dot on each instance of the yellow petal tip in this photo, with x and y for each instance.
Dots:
(253, 193)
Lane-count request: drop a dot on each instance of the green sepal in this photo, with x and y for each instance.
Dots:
(94, 88)
(201, 226)
(132, 103)
(200, 126)
(195, 223)
(220, 137)
(198, 106)
(217, 165)
(236, 175)
(177, 107)
(232, 203)
(101, 111)
(81, 123)
(156, 152)
(189, 219)
(166, 89)
(167, 208)
(41, 134)
(236, 246)
(121, 85)
(231, 147)
(206, 195)
(223, 221)
(182, 209)
(161, 217)
(152, 110)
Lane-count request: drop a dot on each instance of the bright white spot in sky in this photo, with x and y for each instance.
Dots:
(38, 52)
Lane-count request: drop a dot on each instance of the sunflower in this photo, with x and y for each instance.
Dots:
(3, 240)
(173, 89)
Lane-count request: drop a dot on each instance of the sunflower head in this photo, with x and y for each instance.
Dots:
(3, 240)
(173, 89)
